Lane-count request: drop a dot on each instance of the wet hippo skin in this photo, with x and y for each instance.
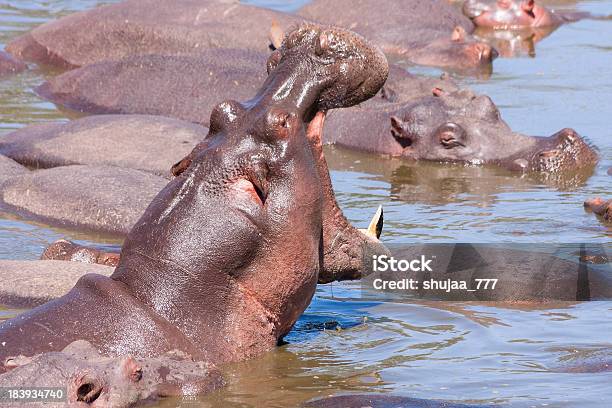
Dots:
(183, 87)
(93, 198)
(166, 27)
(227, 256)
(142, 142)
(423, 32)
(64, 250)
(188, 87)
(419, 31)
(9, 168)
(27, 284)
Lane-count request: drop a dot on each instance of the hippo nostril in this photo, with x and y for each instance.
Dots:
(569, 135)
(89, 392)
(322, 44)
(494, 53)
(223, 114)
(483, 52)
(548, 154)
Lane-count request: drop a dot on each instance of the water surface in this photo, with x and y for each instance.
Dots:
(462, 352)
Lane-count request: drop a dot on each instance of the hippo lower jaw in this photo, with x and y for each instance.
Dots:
(346, 249)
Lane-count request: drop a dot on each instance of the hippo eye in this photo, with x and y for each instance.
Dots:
(451, 135)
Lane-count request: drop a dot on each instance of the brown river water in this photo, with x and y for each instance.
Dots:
(465, 352)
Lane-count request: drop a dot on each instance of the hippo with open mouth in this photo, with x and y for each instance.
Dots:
(227, 256)
(516, 14)
(456, 126)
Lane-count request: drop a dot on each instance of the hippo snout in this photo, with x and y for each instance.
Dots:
(565, 150)
(481, 53)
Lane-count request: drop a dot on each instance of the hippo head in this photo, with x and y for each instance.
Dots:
(237, 240)
(463, 127)
(508, 14)
(459, 51)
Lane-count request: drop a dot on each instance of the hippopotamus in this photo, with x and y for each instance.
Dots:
(121, 87)
(600, 207)
(227, 256)
(143, 142)
(90, 379)
(100, 199)
(456, 126)
(64, 250)
(142, 27)
(516, 14)
(430, 33)
(9, 169)
(10, 65)
(423, 33)
(184, 87)
(174, 86)
(28, 284)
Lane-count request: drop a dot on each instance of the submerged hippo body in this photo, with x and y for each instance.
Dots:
(143, 142)
(425, 33)
(10, 65)
(166, 27)
(227, 256)
(182, 87)
(63, 250)
(456, 126)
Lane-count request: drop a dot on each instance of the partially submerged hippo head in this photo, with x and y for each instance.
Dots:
(64, 250)
(458, 51)
(463, 127)
(250, 222)
(509, 14)
(600, 207)
(92, 380)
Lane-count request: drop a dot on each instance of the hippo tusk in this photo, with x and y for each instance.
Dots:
(374, 230)
(276, 35)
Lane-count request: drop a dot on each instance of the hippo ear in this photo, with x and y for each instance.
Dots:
(458, 34)
(528, 5)
(399, 133)
(181, 166)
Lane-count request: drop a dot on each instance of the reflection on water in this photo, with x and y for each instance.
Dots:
(465, 203)
(518, 43)
(515, 354)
